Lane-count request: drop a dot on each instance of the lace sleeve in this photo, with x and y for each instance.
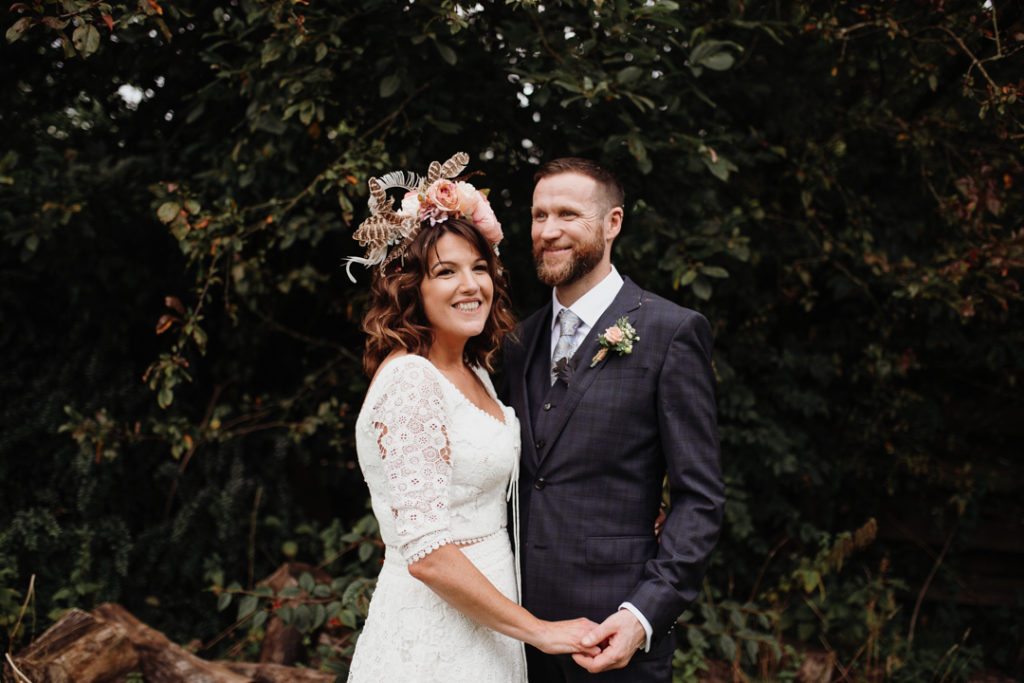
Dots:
(411, 423)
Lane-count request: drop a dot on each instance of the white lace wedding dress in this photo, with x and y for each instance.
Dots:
(439, 471)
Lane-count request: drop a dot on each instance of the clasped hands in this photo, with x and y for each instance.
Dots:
(599, 647)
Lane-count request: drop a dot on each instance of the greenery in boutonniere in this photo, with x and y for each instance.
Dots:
(620, 337)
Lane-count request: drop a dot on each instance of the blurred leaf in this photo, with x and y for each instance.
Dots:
(168, 211)
(247, 605)
(389, 85)
(86, 39)
(701, 288)
(17, 28)
(714, 271)
(447, 54)
(628, 75)
(727, 646)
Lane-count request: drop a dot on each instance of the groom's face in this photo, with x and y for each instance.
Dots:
(569, 226)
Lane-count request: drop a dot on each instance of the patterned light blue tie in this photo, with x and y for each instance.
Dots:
(568, 323)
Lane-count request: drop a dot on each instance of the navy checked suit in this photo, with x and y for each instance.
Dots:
(594, 457)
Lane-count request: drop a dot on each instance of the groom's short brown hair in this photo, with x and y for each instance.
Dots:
(613, 191)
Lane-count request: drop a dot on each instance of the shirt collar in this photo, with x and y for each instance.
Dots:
(591, 305)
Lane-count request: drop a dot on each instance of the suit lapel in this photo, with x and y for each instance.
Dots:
(626, 301)
(534, 351)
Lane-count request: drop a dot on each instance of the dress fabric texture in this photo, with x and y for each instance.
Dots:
(439, 470)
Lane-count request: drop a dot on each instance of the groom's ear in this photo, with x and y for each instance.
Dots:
(613, 223)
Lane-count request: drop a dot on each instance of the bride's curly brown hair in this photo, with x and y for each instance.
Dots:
(396, 319)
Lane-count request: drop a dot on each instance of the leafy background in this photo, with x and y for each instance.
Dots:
(835, 185)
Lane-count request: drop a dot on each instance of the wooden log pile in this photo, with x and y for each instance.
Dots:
(109, 644)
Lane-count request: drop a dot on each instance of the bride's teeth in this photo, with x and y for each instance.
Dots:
(468, 306)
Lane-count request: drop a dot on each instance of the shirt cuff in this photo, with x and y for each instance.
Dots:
(643, 622)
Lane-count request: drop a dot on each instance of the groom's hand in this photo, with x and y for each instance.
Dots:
(619, 636)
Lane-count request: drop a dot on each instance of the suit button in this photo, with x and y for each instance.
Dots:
(539, 444)
(540, 483)
(547, 406)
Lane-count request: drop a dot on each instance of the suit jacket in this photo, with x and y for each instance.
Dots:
(594, 458)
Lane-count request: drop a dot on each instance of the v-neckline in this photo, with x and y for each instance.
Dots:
(502, 420)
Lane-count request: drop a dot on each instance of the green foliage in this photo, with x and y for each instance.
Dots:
(333, 606)
(836, 186)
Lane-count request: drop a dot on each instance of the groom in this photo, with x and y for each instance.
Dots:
(600, 430)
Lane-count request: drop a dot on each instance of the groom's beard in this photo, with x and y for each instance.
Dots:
(584, 258)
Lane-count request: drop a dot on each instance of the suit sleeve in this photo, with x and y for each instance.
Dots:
(689, 440)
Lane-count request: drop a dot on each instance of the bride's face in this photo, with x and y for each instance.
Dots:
(457, 290)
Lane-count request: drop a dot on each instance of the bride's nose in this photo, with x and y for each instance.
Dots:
(468, 283)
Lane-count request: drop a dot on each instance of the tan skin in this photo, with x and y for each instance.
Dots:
(457, 293)
(570, 209)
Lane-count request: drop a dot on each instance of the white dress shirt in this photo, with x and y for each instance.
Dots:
(589, 308)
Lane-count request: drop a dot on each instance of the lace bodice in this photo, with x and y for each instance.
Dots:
(438, 467)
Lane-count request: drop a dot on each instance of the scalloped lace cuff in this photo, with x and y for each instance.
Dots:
(415, 555)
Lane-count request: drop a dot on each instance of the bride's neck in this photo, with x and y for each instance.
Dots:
(446, 357)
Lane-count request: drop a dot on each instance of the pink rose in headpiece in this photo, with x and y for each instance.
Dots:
(468, 197)
(485, 220)
(443, 195)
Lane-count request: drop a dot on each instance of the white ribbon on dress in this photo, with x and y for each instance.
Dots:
(513, 494)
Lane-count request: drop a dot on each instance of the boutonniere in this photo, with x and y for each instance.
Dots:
(619, 337)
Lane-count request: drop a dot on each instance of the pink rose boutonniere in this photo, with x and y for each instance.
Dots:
(620, 338)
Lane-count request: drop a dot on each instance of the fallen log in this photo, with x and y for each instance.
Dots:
(79, 648)
(109, 643)
(162, 661)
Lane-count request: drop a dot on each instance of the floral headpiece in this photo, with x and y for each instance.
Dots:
(387, 233)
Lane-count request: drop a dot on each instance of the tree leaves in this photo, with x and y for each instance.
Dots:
(713, 54)
(168, 211)
(86, 39)
(17, 28)
(389, 85)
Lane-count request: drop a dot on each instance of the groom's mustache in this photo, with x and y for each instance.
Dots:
(539, 247)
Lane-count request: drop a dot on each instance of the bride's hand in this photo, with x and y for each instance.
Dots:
(563, 637)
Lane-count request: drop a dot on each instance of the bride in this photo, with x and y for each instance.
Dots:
(438, 451)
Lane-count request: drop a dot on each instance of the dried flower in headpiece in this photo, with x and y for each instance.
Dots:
(387, 233)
